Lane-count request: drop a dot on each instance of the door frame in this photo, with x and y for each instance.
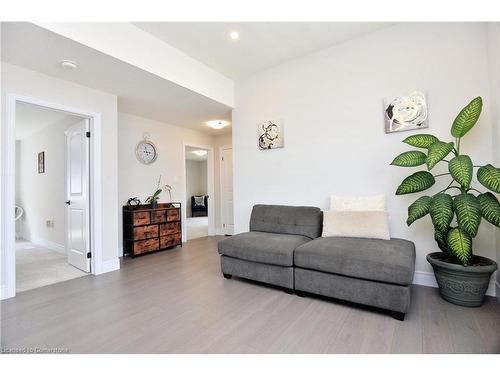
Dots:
(221, 203)
(7, 199)
(210, 188)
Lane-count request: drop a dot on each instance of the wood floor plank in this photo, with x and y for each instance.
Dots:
(488, 320)
(408, 335)
(178, 302)
(436, 327)
(464, 330)
(314, 331)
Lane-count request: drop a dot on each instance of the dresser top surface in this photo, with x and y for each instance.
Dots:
(147, 207)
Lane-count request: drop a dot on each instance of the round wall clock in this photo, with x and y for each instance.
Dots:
(146, 151)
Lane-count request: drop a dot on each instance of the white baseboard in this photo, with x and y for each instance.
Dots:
(428, 279)
(4, 293)
(48, 244)
(110, 265)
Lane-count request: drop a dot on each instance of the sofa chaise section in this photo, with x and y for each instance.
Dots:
(367, 271)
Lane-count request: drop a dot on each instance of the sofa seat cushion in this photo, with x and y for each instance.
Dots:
(262, 247)
(391, 261)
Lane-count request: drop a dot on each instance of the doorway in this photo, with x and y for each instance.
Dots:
(52, 196)
(91, 246)
(198, 203)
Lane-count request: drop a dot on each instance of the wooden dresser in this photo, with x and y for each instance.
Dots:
(146, 229)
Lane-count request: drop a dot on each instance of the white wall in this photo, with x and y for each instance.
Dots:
(196, 181)
(494, 71)
(42, 195)
(32, 84)
(137, 179)
(331, 106)
(3, 288)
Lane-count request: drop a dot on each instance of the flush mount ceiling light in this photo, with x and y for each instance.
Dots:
(234, 35)
(199, 152)
(217, 124)
(68, 65)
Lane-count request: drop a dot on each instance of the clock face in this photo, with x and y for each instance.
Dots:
(146, 152)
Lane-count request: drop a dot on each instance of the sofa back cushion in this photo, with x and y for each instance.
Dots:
(304, 221)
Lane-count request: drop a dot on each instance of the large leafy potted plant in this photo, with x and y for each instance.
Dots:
(455, 211)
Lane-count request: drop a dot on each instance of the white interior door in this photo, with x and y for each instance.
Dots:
(77, 196)
(227, 191)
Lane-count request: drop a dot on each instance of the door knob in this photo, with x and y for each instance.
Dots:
(68, 202)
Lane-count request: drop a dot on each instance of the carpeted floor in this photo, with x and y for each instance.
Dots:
(197, 227)
(37, 266)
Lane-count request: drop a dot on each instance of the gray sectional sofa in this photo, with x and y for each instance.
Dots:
(284, 247)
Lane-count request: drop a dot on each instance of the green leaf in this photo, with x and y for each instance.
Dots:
(460, 244)
(468, 212)
(437, 152)
(409, 159)
(421, 140)
(441, 239)
(441, 211)
(490, 208)
(489, 177)
(418, 209)
(461, 169)
(467, 118)
(418, 181)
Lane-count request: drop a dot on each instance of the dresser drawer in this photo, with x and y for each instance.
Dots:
(146, 246)
(158, 216)
(148, 231)
(169, 241)
(170, 228)
(141, 218)
(173, 215)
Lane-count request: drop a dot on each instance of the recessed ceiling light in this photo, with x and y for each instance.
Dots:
(200, 152)
(234, 35)
(68, 65)
(217, 124)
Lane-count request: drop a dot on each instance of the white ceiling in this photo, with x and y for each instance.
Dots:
(32, 118)
(260, 45)
(139, 92)
(194, 157)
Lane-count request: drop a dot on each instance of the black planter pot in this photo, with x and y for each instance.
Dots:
(464, 286)
(154, 204)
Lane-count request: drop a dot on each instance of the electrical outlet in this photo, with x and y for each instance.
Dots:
(49, 223)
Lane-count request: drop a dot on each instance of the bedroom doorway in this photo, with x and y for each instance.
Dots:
(198, 204)
(91, 247)
(52, 196)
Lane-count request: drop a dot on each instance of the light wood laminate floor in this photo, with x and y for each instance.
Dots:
(178, 302)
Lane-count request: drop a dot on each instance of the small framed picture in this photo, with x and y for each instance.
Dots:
(406, 112)
(41, 162)
(270, 135)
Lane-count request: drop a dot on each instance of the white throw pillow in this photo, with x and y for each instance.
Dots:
(376, 203)
(364, 224)
(199, 200)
